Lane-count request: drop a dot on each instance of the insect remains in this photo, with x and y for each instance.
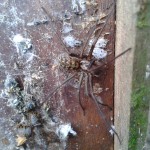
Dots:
(21, 140)
(24, 130)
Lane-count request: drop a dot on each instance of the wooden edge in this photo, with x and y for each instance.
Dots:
(125, 38)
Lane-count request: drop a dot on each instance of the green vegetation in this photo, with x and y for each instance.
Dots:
(144, 15)
(140, 88)
(138, 123)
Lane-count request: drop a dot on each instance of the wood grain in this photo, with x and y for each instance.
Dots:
(92, 132)
(125, 38)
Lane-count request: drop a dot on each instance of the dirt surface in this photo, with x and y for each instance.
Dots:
(34, 66)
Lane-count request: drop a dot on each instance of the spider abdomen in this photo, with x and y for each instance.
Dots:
(69, 62)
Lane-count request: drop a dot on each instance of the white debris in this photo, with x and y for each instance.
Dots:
(82, 4)
(148, 68)
(2, 18)
(10, 82)
(30, 57)
(70, 41)
(99, 52)
(147, 73)
(112, 130)
(66, 27)
(22, 44)
(63, 130)
(47, 37)
(15, 17)
(84, 64)
(30, 24)
(79, 6)
(101, 43)
(18, 38)
(37, 22)
(2, 65)
(67, 15)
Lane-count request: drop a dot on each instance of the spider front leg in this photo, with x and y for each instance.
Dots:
(58, 87)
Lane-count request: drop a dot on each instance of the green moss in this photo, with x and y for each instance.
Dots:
(144, 15)
(138, 97)
(140, 88)
(138, 121)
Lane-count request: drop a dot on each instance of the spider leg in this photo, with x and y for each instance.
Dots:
(58, 37)
(109, 62)
(86, 85)
(58, 87)
(99, 34)
(91, 63)
(109, 126)
(91, 89)
(92, 94)
(80, 83)
(87, 40)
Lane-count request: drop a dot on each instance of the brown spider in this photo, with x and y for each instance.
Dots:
(88, 67)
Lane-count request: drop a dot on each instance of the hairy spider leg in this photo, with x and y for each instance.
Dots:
(79, 87)
(100, 111)
(97, 68)
(58, 37)
(87, 40)
(58, 87)
(90, 34)
(88, 83)
(95, 41)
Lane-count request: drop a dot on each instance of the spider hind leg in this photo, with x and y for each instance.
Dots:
(102, 115)
(79, 88)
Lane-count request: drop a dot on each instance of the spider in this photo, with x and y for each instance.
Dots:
(88, 67)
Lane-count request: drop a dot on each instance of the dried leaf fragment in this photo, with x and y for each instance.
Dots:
(20, 140)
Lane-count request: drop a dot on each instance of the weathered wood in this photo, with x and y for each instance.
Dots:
(125, 38)
(91, 129)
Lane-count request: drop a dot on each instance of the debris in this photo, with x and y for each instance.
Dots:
(64, 130)
(70, 41)
(97, 89)
(22, 44)
(67, 15)
(37, 22)
(99, 52)
(67, 28)
(112, 130)
(79, 6)
(21, 140)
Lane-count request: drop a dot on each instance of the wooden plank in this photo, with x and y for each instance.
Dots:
(92, 132)
(125, 38)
